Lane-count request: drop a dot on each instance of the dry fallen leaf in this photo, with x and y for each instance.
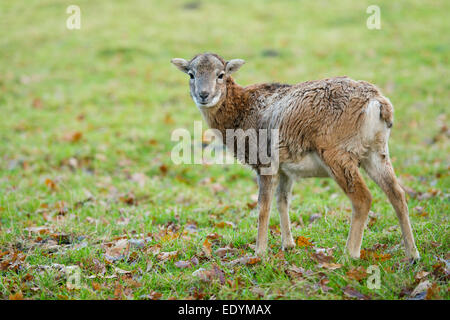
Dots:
(323, 285)
(73, 136)
(246, 260)
(321, 257)
(224, 224)
(163, 168)
(213, 236)
(222, 252)
(421, 275)
(258, 291)
(353, 293)
(209, 275)
(117, 250)
(183, 264)
(164, 256)
(50, 184)
(330, 266)
(303, 242)
(207, 247)
(16, 296)
(96, 286)
(370, 254)
(358, 273)
(295, 272)
(252, 205)
(433, 293)
(421, 288)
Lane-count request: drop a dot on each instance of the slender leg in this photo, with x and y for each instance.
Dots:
(345, 171)
(284, 191)
(378, 166)
(266, 186)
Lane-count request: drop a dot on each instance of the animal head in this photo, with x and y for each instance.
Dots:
(208, 75)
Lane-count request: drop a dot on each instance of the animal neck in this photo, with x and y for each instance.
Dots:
(231, 111)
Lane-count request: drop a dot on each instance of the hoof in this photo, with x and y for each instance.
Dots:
(354, 255)
(261, 252)
(288, 245)
(415, 257)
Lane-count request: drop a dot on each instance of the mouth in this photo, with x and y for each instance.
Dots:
(208, 104)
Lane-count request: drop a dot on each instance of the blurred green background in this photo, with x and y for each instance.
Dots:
(89, 109)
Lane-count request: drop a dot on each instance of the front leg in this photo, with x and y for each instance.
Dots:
(266, 186)
(284, 191)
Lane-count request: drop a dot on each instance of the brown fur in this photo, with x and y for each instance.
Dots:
(331, 119)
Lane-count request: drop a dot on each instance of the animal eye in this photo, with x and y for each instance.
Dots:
(191, 75)
(220, 76)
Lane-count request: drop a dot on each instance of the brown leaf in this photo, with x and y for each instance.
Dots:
(295, 272)
(433, 293)
(129, 199)
(132, 283)
(258, 291)
(421, 289)
(222, 252)
(321, 257)
(367, 254)
(246, 260)
(117, 250)
(50, 184)
(155, 295)
(358, 273)
(73, 136)
(252, 205)
(168, 119)
(330, 266)
(207, 247)
(210, 275)
(323, 285)
(353, 293)
(421, 275)
(213, 236)
(183, 264)
(163, 168)
(224, 224)
(164, 256)
(16, 296)
(303, 242)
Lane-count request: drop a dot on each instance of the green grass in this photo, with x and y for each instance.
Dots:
(112, 82)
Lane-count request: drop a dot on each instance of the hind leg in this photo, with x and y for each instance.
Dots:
(344, 169)
(284, 191)
(378, 166)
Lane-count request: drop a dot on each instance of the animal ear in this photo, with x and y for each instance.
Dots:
(181, 64)
(233, 65)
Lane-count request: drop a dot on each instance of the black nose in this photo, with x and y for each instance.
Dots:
(203, 94)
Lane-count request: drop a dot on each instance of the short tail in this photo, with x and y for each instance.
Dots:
(386, 111)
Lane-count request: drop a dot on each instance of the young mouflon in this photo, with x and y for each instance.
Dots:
(326, 128)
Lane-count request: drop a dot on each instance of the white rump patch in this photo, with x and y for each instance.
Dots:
(373, 123)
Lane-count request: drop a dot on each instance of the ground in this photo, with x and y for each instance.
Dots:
(89, 194)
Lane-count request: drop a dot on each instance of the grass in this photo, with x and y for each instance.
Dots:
(85, 146)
